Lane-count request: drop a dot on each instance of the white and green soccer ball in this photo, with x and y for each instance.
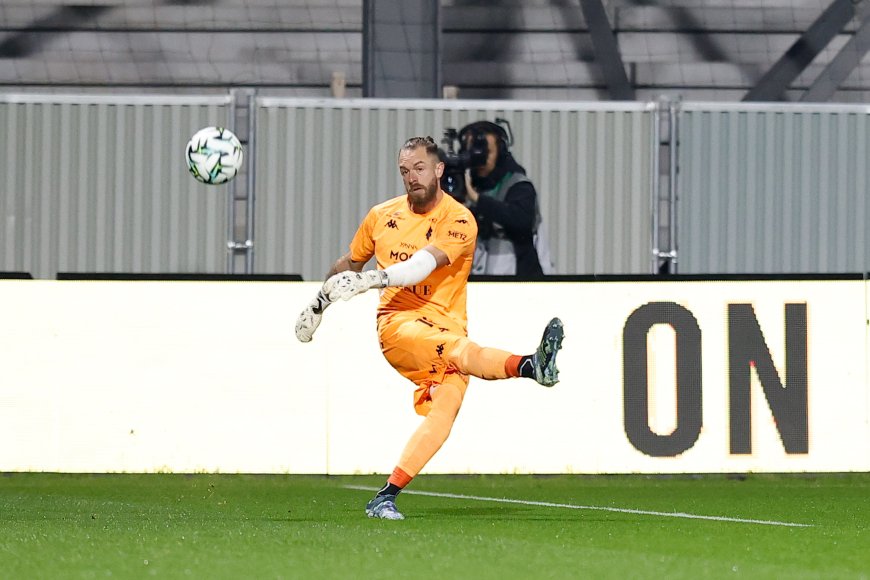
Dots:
(214, 155)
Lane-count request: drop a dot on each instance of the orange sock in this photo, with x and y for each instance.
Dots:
(512, 365)
(433, 431)
(399, 478)
(482, 362)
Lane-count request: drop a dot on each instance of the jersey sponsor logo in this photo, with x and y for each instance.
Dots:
(399, 256)
(457, 235)
(392, 224)
(407, 246)
(461, 221)
(421, 290)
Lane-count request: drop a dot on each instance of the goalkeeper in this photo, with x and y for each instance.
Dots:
(424, 245)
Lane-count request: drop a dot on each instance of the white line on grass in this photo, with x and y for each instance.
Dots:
(592, 507)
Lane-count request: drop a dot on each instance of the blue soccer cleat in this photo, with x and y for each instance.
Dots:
(544, 359)
(384, 507)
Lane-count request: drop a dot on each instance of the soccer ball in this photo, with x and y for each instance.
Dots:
(214, 155)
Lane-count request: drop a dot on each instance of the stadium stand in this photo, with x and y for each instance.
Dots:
(288, 47)
(516, 49)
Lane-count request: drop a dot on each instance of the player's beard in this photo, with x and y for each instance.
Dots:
(423, 196)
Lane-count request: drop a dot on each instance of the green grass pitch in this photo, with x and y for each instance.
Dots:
(248, 526)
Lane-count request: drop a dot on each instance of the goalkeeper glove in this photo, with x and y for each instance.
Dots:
(345, 285)
(309, 319)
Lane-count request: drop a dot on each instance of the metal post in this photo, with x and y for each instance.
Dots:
(246, 133)
(661, 256)
(231, 194)
(674, 114)
(252, 181)
(775, 82)
(656, 184)
(393, 31)
(607, 50)
(839, 69)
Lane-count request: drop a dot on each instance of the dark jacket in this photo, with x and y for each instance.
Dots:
(514, 218)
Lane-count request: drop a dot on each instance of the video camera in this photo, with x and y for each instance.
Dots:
(472, 152)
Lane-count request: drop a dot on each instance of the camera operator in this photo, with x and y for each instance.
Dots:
(505, 204)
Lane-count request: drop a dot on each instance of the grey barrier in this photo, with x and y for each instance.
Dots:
(97, 183)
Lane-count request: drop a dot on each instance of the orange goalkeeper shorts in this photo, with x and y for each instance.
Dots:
(418, 347)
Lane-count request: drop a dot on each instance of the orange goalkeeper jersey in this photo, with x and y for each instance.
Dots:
(392, 233)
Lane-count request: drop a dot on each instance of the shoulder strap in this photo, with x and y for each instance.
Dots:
(499, 192)
(540, 236)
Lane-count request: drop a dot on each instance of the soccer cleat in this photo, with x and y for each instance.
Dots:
(544, 359)
(384, 507)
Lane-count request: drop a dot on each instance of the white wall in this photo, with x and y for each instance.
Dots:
(207, 376)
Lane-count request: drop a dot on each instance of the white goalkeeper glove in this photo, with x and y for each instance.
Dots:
(345, 285)
(309, 319)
